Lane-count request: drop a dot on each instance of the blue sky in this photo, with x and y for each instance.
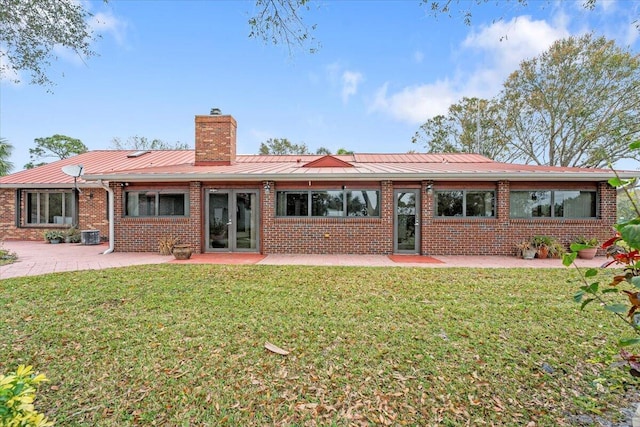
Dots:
(383, 68)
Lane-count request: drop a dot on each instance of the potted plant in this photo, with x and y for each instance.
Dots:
(587, 247)
(54, 236)
(72, 235)
(542, 244)
(218, 228)
(556, 249)
(527, 249)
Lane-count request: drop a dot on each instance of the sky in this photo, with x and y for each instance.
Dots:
(382, 69)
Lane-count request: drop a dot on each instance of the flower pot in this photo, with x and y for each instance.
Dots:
(181, 251)
(543, 252)
(587, 253)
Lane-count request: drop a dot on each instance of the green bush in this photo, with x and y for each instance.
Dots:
(17, 393)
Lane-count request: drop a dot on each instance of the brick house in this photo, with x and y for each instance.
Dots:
(215, 200)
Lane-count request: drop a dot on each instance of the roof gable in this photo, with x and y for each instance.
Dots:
(328, 161)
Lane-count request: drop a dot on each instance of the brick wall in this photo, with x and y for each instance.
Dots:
(498, 236)
(439, 236)
(356, 235)
(143, 234)
(215, 140)
(92, 215)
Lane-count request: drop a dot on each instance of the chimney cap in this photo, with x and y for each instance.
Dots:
(215, 112)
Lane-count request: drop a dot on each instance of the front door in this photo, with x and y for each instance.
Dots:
(232, 221)
(407, 221)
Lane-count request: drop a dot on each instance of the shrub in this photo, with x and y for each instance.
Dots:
(17, 393)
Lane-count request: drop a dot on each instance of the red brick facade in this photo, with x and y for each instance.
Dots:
(499, 235)
(215, 147)
(358, 235)
(92, 215)
(215, 140)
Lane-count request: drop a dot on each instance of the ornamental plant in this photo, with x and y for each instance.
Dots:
(621, 296)
(17, 393)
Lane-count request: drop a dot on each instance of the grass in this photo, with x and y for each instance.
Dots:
(184, 345)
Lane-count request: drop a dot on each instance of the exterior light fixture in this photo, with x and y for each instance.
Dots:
(429, 189)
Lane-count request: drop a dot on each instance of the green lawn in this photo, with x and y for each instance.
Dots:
(184, 345)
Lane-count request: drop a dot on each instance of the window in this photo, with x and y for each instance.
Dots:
(156, 203)
(328, 203)
(465, 203)
(553, 204)
(50, 207)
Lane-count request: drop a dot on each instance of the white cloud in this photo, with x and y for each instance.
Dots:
(344, 80)
(350, 82)
(416, 104)
(418, 57)
(506, 44)
(498, 49)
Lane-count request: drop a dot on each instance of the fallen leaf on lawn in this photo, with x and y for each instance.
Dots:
(275, 349)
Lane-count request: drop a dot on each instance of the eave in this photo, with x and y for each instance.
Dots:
(438, 176)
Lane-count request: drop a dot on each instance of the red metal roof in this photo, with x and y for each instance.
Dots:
(100, 161)
(178, 165)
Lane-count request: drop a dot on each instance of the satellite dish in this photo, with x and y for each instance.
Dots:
(72, 170)
(75, 171)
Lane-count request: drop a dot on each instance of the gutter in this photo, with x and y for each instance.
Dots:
(112, 232)
(436, 176)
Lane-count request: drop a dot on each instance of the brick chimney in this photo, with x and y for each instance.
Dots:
(215, 139)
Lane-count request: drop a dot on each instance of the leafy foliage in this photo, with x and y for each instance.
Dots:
(575, 104)
(56, 146)
(622, 295)
(170, 344)
(17, 393)
(7, 256)
(281, 22)
(470, 126)
(5, 154)
(143, 143)
(282, 146)
(31, 30)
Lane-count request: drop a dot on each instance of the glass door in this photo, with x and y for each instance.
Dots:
(406, 219)
(232, 220)
(245, 226)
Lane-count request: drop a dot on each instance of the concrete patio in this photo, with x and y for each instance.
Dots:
(35, 258)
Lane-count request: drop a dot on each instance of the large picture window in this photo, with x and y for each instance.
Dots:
(553, 204)
(328, 203)
(50, 207)
(465, 203)
(156, 203)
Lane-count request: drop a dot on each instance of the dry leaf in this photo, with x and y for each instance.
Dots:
(275, 349)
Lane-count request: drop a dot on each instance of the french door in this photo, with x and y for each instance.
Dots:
(406, 234)
(232, 221)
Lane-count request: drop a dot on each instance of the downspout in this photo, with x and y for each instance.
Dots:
(112, 232)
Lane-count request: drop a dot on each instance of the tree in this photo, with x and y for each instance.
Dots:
(576, 104)
(142, 143)
(343, 151)
(282, 146)
(5, 154)
(281, 22)
(30, 30)
(58, 146)
(470, 126)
